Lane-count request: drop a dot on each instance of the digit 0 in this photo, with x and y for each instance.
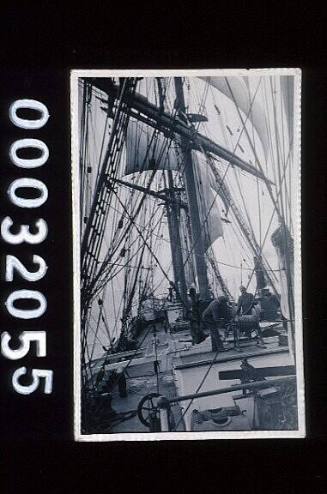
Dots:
(26, 295)
(28, 123)
(31, 183)
(28, 144)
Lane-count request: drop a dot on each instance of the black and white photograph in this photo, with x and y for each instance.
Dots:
(187, 254)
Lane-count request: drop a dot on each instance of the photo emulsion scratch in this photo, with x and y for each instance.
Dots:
(187, 258)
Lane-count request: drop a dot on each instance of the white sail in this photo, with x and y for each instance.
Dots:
(208, 206)
(283, 244)
(146, 151)
(237, 89)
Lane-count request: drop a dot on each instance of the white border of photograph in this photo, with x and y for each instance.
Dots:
(149, 436)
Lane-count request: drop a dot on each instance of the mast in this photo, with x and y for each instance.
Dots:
(253, 244)
(175, 242)
(196, 230)
(173, 206)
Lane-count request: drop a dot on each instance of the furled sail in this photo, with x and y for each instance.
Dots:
(237, 90)
(151, 151)
(283, 243)
(208, 207)
(287, 88)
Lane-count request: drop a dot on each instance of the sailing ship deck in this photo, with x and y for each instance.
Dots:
(181, 371)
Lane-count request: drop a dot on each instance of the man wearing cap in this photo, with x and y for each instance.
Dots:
(245, 302)
(247, 307)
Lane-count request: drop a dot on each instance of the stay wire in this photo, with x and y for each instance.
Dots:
(198, 389)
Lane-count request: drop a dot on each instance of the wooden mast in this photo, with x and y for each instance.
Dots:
(175, 242)
(173, 206)
(196, 230)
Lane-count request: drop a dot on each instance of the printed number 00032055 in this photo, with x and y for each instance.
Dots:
(25, 236)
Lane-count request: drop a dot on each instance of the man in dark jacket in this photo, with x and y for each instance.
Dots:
(269, 305)
(195, 318)
(245, 302)
(214, 317)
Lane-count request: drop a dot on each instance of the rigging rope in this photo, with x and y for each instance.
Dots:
(198, 389)
(224, 176)
(140, 204)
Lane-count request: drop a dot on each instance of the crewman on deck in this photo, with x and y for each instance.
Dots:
(121, 381)
(247, 318)
(270, 305)
(245, 302)
(195, 318)
(214, 317)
